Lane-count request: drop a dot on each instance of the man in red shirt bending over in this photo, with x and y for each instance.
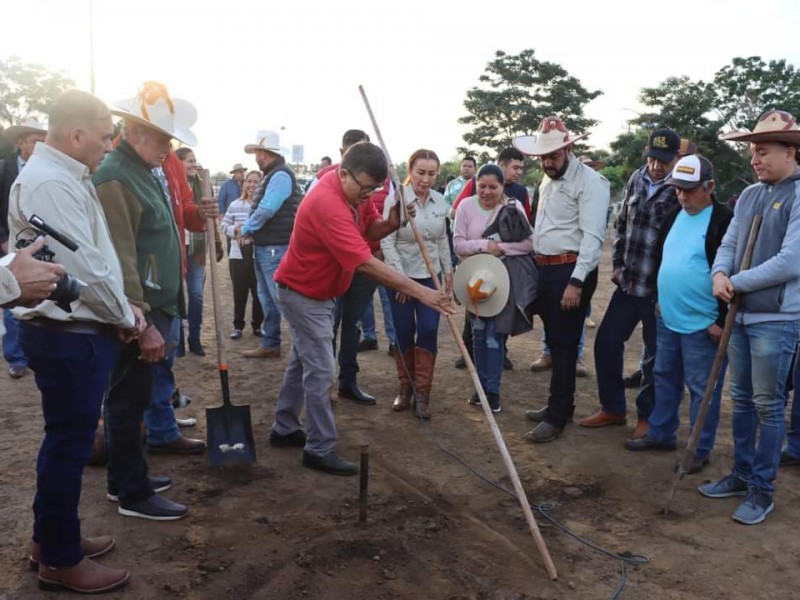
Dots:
(328, 245)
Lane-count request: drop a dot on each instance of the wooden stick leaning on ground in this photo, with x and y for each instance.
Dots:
(512, 471)
(708, 393)
(205, 179)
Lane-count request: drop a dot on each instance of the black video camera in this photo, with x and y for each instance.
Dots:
(68, 288)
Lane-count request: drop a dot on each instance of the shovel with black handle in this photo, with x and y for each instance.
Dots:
(229, 428)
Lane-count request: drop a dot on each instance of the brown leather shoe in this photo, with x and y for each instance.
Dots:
(603, 419)
(543, 363)
(87, 577)
(92, 548)
(182, 445)
(262, 353)
(641, 429)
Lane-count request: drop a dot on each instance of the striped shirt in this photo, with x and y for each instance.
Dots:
(237, 214)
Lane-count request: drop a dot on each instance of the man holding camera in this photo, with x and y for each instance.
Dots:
(71, 351)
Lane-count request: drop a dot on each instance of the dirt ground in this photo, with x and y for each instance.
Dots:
(435, 530)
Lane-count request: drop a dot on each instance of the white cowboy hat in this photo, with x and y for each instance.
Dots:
(551, 136)
(237, 167)
(265, 140)
(154, 107)
(481, 283)
(772, 126)
(28, 125)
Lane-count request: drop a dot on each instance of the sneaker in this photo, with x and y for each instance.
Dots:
(494, 402)
(732, 485)
(755, 508)
(258, 332)
(237, 334)
(159, 483)
(154, 508)
(580, 369)
(179, 399)
(460, 363)
(474, 400)
(787, 460)
(543, 363)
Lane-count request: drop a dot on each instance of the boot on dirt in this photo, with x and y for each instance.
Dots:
(405, 367)
(424, 362)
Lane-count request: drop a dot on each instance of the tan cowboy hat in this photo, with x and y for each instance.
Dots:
(592, 163)
(265, 140)
(772, 126)
(551, 136)
(482, 285)
(154, 107)
(28, 125)
(237, 167)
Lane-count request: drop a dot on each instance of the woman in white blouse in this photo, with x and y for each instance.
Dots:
(240, 260)
(416, 325)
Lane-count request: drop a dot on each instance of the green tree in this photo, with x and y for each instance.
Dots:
(27, 89)
(514, 94)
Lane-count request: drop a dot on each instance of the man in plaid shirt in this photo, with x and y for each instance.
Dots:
(647, 200)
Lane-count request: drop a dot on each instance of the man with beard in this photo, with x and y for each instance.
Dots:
(568, 238)
(647, 201)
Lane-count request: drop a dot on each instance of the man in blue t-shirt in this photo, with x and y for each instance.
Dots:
(689, 317)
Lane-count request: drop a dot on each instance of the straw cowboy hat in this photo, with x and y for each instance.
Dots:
(237, 167)
(551, 136)
(265, 140)
(154, 107)
(481, 283)
(28, 125)
(592, 163)
(772, 126)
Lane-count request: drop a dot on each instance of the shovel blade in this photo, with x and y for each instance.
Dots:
(230, 435)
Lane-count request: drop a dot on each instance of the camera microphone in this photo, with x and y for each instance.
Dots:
(59, 237)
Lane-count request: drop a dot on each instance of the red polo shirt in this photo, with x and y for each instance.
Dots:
(327, 243)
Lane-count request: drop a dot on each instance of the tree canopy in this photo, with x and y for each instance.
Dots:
(27, 89)
(514, 94)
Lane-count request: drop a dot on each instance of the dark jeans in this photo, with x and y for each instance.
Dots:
(128, 396)
(415, 324)
(71, 372)
(562, 329)
(349, 310)
(243, 278)
(622, 315)
(489, 349)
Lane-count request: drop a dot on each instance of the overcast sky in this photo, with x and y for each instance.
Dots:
(250, 65)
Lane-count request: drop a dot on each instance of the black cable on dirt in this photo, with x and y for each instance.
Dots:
(543, 508)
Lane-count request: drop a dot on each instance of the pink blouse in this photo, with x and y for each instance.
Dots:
(472, 220)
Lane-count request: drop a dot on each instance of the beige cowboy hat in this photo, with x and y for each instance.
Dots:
(592, 163)
(482, 285)
(772, 126)
(28, 125)
(551, 136)
(154, 107)
(237, 167)
(265, 140)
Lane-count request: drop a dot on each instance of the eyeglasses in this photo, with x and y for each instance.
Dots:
(365, 190)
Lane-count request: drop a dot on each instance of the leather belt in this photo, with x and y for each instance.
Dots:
(556, 259)
(82, 327)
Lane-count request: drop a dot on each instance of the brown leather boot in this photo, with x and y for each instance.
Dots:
(87, 577)
(404, 362)
(92, 548)
(424, 361)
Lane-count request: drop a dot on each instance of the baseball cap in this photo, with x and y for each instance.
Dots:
(691, 171)
(663, 144)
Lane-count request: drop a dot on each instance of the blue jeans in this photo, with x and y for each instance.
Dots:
(416, 325)
(760, 356)
(267, 259)
(159, 418)
(489, 348)
(622, 315)
(349, 309)
(368, 320)
(71, 372)
(195, 278)
(11, 348)
(793, 435)
(684, 358)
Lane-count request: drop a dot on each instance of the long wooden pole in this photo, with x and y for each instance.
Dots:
(498, 437)
(708, 393)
